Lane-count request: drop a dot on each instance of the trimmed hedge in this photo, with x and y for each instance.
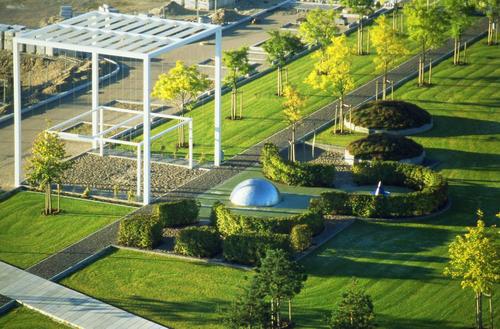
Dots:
(275, 168)
(431, 192)
(201, 241)
(301, 237)
(384, 147)
(140, 231)
(391, 115)
(228, 223)
(249, 248)
(178, 213)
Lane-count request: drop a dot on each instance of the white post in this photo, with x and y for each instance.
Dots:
(146, 131)
(101, 129)
(217, 121)
(191, 144)
(139, 170)
(95, 96)
(17, 114)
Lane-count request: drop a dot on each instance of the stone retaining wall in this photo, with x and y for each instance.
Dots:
(400, 132)
(351, 159)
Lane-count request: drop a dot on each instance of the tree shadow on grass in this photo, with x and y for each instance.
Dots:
(453, 159)
(390, 322)
(449, 126)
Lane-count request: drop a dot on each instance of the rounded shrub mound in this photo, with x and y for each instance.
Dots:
(390, 115)
(384, 147)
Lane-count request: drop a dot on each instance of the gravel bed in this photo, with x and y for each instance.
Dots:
(107, 172)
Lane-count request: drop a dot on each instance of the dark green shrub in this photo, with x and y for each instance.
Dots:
(384, 147)
(178, 213)
(228, 223)
(201, 241)
(431, 192)
(391, 115)
(249, 248)
(301, 237)
(140, 231)
(275, 168)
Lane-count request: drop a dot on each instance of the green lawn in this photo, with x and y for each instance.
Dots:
(328, 137)
(24, 318)
(27, 237)
(262, 108)
(175, 293)
(400, 264)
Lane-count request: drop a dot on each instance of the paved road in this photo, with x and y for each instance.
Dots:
(127, 86)
(65, 305)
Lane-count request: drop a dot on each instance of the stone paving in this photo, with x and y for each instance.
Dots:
(63, 304)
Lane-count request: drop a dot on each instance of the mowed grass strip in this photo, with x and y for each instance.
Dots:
(23, 318)
(27, 236)
(401, 264)
(176, 293)
(262, 109)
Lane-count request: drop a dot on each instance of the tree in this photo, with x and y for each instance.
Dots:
(475, 260)
(459, 13)
(388, 45)
(362, 8)
(180, 85)
(319, 27)
(279, 47)
(333, 72)
(248, 311)
(427, 25)
(354, 311)
(280, 279)
(291, 110)
(237, 65)
(491, 8)
(47, 165)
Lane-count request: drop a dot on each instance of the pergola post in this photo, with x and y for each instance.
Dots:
(17, 114)
(139, 170)
(217, 121)
(190, 165)
(95, 98)
(146, 131)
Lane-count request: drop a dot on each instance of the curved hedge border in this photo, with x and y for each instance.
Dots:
(275, 168)
(198, 241)
(390, 115)
(431, 192)
(228, 223)
(384, 147)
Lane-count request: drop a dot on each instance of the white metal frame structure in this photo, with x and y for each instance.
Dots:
(130, 36)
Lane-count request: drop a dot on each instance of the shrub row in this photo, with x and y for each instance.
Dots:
(301, 237)
(248, 248)
(196, 241)
(145, 230)
(384, 147)
(389, 114)
(178, 213)
(140, 231)
(431, 192)
(228, 223)
(275, 168)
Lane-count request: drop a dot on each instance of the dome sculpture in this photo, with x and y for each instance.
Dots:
(255, 192)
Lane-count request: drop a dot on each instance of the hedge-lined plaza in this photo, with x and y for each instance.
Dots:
(27, 236)
(399, 263)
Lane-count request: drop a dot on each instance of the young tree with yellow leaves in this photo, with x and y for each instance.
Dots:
(236, 62)
(47, 165)
(388, 45)
(362, 8)
(333, 72)
(475, 260)
(180, 85)
(319, 28)
(291, 109)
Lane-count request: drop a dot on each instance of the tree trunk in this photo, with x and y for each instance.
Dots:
(290, 310)
(491, 310)
(430, 72)
(181, 140)
(278, 319)
(341, 118)
(384, 84)
(272, 313)
(58, 198)
(335, 119)
(293, 143)
(479, 310)
(280, 81)
(455, 52)
(360, 35)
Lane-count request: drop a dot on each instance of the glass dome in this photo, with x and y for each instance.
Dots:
(255, 192)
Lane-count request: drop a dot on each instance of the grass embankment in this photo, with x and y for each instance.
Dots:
(400, 264)
(27, 236)
(23, 318)
(262, 110)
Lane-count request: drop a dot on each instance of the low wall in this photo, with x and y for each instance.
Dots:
(400, 132)
(351, 159)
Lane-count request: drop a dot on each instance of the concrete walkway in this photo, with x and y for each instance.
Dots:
(63, 304)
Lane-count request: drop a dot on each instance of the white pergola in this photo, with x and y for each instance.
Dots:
(137, 37)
